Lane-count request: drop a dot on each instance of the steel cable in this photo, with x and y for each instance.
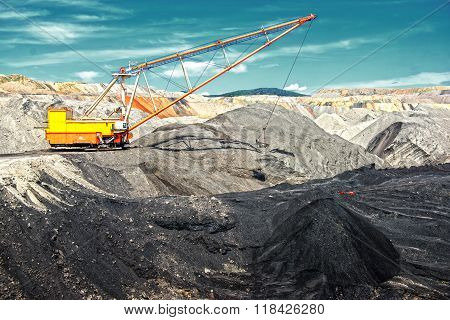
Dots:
(284, 85)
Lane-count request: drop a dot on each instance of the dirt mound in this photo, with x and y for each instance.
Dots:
(408, 139)
(16, 83)
(21, 126)
(293, 149)
(302, 241)
(302, 253)
(331, 123)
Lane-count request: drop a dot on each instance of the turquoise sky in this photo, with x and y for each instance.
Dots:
(111, 33)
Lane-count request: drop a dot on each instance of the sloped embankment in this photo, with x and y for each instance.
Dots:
(408, 139)
(229, 154)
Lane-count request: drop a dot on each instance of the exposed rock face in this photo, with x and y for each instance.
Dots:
(21, 128)
(386, 100)
(381, 91)
(16, 83)
(325, 101)
(408, 139)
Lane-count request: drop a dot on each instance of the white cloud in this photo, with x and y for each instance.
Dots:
(166, 40)
(172, 21)
(315, 49)
(15, 41)
(53, 32)
(269, 66)
(95, 55)
(189, 35)
(345, 44)
(89, 17)
(109, 66)
(242, 68)
(172, 38)
(230, 29)
(87, 4)
(341, 44)
(295, 87)
(87, 76)
(66, 32)
(23, 14)
(423, 78)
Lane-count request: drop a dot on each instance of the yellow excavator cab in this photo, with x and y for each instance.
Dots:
(63, 130)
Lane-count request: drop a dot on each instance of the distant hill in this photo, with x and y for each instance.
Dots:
(261, 91)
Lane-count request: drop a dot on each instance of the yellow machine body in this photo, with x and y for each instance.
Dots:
(63, 130)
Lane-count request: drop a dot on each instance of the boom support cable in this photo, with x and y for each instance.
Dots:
(204, 70)
(169, 80)
(246, 50)
(284, 85)
(215, 64)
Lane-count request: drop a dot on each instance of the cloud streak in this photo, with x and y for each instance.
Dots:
(423, 78)
(66, 32)
(93, 17)
(346, 44)
(23, 14)
(54, 32)
(96, 5)
(315, 50)
(95, 55)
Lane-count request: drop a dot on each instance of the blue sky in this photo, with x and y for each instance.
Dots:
(112, 33)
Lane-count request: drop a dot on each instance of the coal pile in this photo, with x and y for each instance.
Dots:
(321, 249)
(387, 240)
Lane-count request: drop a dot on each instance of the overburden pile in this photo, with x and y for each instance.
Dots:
(228, 154)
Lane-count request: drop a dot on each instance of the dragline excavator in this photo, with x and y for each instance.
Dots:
(63, 130)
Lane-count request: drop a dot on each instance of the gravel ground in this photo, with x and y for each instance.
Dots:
(387, 241)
